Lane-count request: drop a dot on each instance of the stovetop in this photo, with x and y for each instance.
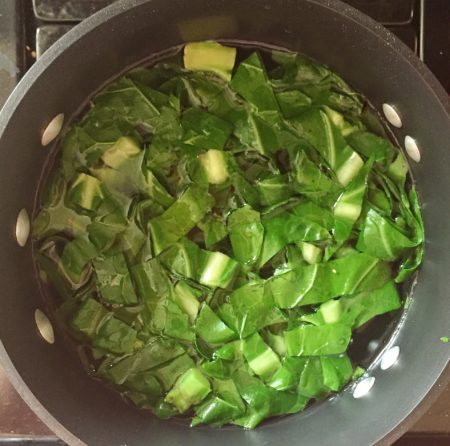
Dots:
(29, 27)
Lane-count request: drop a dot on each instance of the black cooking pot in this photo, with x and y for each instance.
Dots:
(51, 379)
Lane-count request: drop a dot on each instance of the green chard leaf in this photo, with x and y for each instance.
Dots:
(210, 268)
(309, 179)
(325, 137)
(355, 310)
(305, 222)
(256, 133)
(323, 374)
(246, 234)
(370, 145)
(211, 328)
(381, 238)
(158, 351)
(85, 143)
(116, 337)
(85, 192)
(260, 357)
(348, 206)
(324, 87)
(292, 102)
(137, 103)
(254, 308)
(223, 407)
(251, 82)
(273, 190)
(88, 317)
(113, 280)
(180, 217)
(264, 401)
(77, 254)
(320, 282)
(214, 230)
(204, 130)
(311, 340)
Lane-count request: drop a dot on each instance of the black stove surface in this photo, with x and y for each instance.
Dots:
(56, 16)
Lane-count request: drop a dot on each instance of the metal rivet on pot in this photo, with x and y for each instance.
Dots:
(389, 358)
(52, 130)
(373, 345)
(412, 149)
(363, 387)
(392, 115)
(44, 326)
(22, 227)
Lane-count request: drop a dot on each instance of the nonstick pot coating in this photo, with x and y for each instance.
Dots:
(51, 379)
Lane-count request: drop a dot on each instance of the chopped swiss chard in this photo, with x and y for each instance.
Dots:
(218, 228)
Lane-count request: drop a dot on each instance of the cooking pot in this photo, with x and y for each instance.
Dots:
(50, 377)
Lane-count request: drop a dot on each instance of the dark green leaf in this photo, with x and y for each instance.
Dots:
(273, 189)
(251, 82)
(246, 234)
(88, 317)
(213, 269)
(180, 218)
(214, 230)
(310, 340)
(157, 352)
(260, 357)
(357, 309)
(115, 336)
(114, 281)
(211, 328)
(264, 401)
(292, 102)
(308, 178)
(325, 137)
(254, 308)
(256, 133)
(76, 256)
(382, 238)
(370, 145)
(305, 222)
(287, 377)
(321, 282)
(167, 374)
(324, 374)
(204, 130)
